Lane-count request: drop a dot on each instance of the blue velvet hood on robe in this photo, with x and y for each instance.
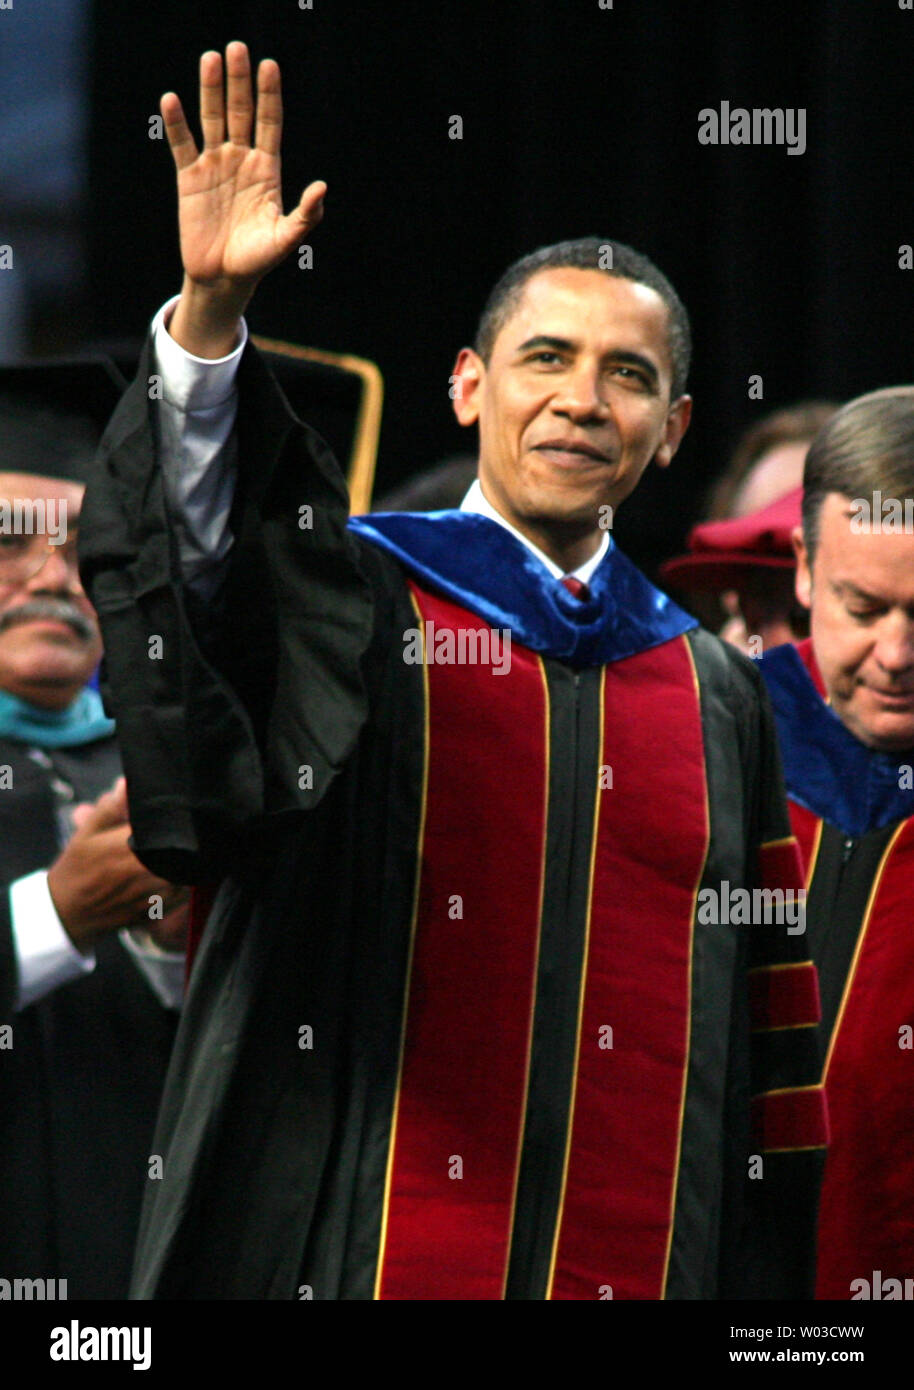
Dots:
(482, 567)
(826, 768)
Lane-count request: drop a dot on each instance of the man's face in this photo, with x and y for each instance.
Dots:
(860, 593)
(49, 637)
(575, 400)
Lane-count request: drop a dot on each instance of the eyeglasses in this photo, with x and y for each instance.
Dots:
(21, 557)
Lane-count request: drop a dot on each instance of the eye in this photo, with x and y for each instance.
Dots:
(862, 615)
(631, 374)
(14, 543)
(546, 356)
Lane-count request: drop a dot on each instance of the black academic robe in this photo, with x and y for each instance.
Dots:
(456, 1028)
(853, 813)
(80, 1084)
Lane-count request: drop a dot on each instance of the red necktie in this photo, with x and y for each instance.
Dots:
(574, 586)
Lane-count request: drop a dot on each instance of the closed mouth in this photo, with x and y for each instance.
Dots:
(48, 622)
(560, 446)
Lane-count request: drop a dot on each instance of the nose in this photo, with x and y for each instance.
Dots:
(58, 573)
(895, 646)
(580, 396)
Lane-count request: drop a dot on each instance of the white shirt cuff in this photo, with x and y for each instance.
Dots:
(164, 970)
(193, 384)
(197, 450)
(45, 956)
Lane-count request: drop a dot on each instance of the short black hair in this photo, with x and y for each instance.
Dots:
(588, 253)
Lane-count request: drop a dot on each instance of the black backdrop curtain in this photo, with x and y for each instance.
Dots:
(576, 119)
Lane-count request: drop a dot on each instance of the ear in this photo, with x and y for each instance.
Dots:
(803, 582)
(466, 385)
(677, 422)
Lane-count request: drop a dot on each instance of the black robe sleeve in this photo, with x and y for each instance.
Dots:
(233, 716)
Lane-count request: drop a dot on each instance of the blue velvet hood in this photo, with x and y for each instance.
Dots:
(482, 567)
(826, 768)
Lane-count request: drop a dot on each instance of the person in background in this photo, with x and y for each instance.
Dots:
(844, 707)
(766, 464)
(753, 558)
(767, 460)
(91, 958)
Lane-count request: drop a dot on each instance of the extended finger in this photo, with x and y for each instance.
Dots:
(268, 133)
(239, 102)
(177, 131)
(212, 100)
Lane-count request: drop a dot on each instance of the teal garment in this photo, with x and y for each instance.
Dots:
(83, 721)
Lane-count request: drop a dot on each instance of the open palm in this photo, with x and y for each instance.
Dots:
(230, 194)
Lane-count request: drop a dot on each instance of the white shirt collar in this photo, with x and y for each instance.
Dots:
(476, 501)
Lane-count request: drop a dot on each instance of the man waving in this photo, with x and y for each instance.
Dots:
(458, 782)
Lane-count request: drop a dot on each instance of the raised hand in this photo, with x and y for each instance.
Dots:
(232, 226)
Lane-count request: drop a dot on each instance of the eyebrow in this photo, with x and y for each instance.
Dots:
(623, 356)
(845, 586)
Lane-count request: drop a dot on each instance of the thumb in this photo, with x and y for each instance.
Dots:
(109, 810)
(306, 216)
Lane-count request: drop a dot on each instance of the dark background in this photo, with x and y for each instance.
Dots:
(576, 120)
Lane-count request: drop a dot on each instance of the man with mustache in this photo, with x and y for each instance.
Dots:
(844, 705)
(456, 1029)
(88, 1012)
